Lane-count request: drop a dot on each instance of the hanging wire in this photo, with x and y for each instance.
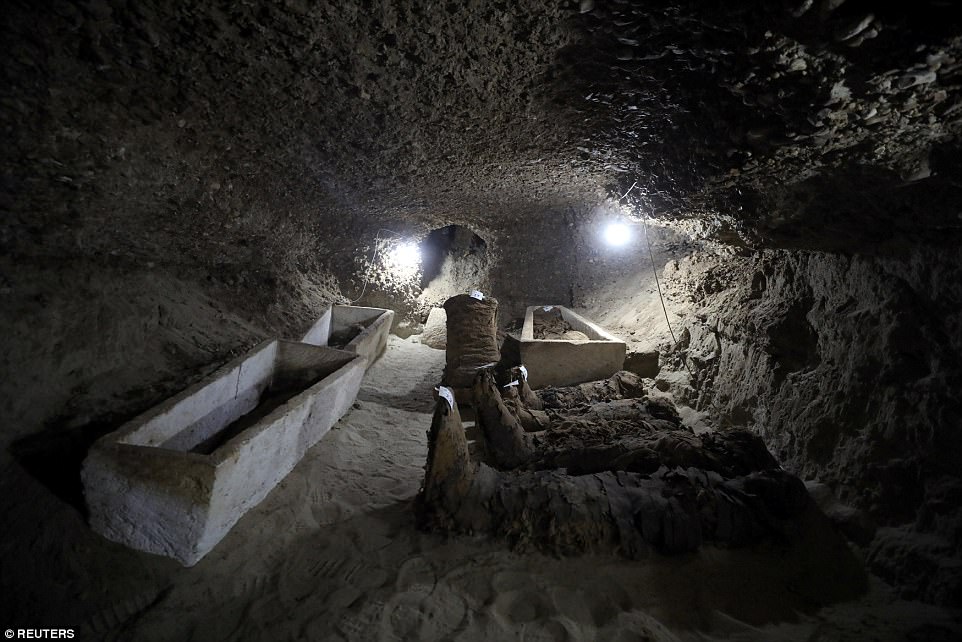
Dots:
(367, 273)
(654, 272)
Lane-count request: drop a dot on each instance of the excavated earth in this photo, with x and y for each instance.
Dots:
(181, 180)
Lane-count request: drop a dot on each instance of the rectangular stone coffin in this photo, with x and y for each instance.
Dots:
(561, 362)
(175, 480)
(338, 321)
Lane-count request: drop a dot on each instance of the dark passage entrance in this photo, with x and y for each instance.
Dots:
(454, 260)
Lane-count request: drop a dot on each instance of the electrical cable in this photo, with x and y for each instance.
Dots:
(654, 272)
(367, 273)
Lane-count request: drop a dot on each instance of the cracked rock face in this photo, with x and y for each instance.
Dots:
(271, 130)
(723, 107)
(848, 367)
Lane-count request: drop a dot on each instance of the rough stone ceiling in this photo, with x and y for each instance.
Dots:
(253, 123)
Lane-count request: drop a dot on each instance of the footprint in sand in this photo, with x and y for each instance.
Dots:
(553, 630)
(609, 603)
(121, 611)
(574, 603)
(250, 586)
(423, 612)
(519, 607)
(635, 626)
(361, 624)
(511, 580)
(415, 571)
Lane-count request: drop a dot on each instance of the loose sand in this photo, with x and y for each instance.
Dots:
(332, 553)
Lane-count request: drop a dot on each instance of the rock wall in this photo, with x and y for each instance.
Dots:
(563, 259)
(85, 340)
(849, 368)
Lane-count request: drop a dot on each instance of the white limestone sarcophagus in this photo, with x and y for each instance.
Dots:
(353, 328)
(568, 361)
(174, 480)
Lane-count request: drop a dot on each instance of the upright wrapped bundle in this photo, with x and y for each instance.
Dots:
(472, 338)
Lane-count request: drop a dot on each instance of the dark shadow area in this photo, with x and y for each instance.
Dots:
(270, 400)
(862, 209)
(451, 243)
(55, 456)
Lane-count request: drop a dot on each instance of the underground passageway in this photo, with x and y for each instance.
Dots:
(269, 271)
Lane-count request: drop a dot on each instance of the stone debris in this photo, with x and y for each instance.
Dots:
(435, 333)
(644, 364)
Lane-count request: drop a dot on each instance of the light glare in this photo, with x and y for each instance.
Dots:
(406, 255)
(617, 234)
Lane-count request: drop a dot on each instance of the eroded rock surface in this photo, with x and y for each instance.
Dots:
(847, 366)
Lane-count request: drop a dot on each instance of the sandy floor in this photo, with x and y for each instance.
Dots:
(332, 553)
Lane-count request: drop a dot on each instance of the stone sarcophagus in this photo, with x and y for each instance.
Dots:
(174, 480)
(357, 329)
(561, 348)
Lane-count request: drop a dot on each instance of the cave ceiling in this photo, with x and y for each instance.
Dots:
(749, 118)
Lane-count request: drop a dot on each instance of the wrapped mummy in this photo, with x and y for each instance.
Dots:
(626, 512)
(634, 434)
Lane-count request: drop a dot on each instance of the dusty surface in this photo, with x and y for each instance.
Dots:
(332, 553)
(181, 180)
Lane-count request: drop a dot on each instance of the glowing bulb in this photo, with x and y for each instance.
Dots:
(617, 234)
(406, 255)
